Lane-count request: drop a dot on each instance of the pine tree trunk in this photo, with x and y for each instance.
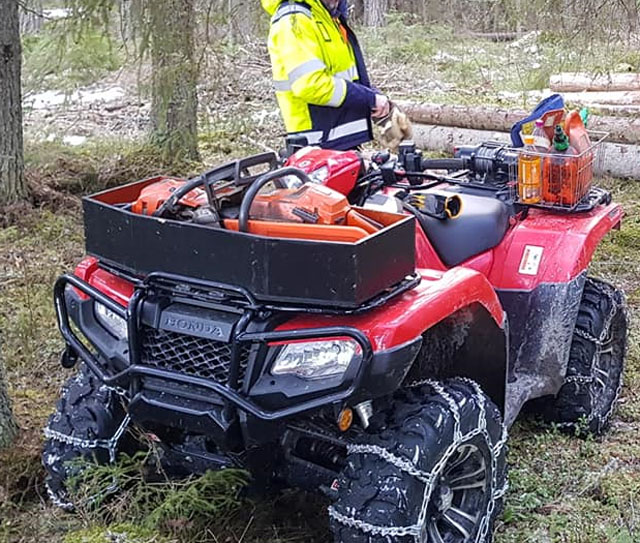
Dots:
(12, 184)
(126, 18)
(175, 76)
(374, 12)
(8, 427)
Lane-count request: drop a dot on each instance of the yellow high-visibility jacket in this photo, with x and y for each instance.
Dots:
(319, 75)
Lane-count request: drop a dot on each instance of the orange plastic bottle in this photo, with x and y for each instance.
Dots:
(580, 141)
(561, 185)
(577, 132)
(529, 173)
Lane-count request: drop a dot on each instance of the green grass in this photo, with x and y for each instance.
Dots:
(184, 508)
(97, 165)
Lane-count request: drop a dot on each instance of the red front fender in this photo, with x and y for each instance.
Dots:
(439, 295)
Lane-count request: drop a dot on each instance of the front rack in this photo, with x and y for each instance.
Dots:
(555, 181)
(129, 376)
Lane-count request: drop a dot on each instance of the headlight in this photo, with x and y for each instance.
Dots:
(316, 359)
(111, 321)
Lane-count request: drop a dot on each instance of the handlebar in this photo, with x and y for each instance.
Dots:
(442, 164)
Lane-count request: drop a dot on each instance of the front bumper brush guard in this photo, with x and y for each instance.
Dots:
(135, 369)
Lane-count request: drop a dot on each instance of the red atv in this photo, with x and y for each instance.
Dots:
(262, 321)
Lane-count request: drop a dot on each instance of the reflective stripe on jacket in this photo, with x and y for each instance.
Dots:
(320, 79)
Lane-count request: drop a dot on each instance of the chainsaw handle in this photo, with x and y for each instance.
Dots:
(242, 175)
(252, 191)
(235, 170)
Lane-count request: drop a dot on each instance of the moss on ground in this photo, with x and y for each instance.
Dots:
(117, 533)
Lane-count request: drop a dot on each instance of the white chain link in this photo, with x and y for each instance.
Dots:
(401, 463)
(111, 445)
(384, 531)
(610, 293)
(453, 406)
(430, 479)
(119, 391)
(482, 416)
(599, 342)
(57, 500)
(579, 379)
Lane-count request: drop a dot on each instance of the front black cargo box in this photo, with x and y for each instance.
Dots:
(332, 274)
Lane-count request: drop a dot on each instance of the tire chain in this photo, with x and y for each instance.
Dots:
(110, 445)
(402, 464)
(610, 292)
(429, 479)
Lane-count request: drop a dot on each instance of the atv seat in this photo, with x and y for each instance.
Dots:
(481, 225)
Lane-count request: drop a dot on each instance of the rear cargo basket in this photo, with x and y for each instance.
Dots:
(293, 271)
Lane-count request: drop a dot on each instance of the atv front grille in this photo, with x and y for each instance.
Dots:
(191, 355)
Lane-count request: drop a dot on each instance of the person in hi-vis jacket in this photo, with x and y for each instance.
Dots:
(319, 75)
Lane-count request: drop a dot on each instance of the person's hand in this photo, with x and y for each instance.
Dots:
(381, 108)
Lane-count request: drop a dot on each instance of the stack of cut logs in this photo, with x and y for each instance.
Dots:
(614, 101)
(609, 93)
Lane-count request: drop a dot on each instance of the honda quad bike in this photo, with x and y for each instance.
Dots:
(361, 328)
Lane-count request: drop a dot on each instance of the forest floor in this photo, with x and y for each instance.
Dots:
(85, 134)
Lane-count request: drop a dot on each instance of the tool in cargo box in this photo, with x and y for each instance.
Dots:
(561, 183)
(153, 196)
(313, 204)
(274, 208)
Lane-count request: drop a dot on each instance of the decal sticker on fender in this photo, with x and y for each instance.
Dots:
(531, 258)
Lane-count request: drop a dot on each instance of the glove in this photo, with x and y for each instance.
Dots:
(395, 128)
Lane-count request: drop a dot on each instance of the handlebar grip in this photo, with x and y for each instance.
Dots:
(442, 164)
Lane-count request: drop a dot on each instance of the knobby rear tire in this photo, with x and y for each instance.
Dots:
(585, 403)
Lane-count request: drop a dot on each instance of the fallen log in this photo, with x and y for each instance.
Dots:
(476, 117)
(630, 99)
(616, 111)
(620, 130)
(619, 98)
(617, 159)
(496, 36)
(576, 82)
